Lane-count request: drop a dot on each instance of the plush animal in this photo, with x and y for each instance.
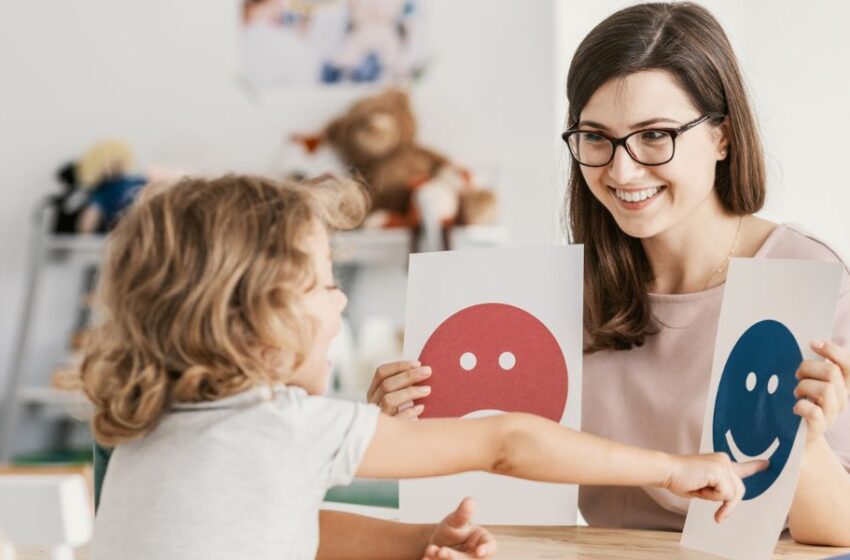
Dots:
(68, 205)
(410, 185)
(104, 170)
(372, 49)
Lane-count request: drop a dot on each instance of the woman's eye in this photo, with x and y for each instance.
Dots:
(593, 138)
(653, 136)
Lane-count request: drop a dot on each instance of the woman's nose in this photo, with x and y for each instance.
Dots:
(623, 169)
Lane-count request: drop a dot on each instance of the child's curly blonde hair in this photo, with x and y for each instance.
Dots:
(200, 281)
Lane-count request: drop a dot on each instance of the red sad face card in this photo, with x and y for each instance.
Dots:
(501, 330)
(494, 356)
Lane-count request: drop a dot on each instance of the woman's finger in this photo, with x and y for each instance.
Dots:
(813, 414)
(835, 354)
(388, 370)
(391, 401)
(411, 412)
(405, 379)
(820, 370)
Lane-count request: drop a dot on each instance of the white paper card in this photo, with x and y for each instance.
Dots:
(502, 332)
(771, 310)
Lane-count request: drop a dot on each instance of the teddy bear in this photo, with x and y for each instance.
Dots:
(410, 185)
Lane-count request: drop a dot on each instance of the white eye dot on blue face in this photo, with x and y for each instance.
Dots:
(507, 360)
(751, 381)
(773, 384)
(468, 361)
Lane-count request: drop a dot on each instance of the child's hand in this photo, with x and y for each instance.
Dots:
(394, 388)
(712, 477)
(455, 537)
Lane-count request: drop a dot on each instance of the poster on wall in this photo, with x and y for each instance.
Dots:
(501, 330)
(326, 42)
(772, 309)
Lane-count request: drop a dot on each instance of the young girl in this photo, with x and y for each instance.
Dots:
(667, 171)
(207, 373)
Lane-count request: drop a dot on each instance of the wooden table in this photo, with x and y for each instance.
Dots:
(585, 543)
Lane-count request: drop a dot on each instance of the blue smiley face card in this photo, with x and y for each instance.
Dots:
(771, 310)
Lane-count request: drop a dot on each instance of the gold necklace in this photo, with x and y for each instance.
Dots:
(729, 255)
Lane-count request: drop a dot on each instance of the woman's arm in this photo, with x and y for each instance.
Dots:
(820, 513)
(527, 446)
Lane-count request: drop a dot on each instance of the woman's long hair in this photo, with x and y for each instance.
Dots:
(686, 41)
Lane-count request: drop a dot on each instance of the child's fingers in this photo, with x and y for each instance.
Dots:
(482, 543)
(462, 515)
(749, 468)
(721, 513)
(431, 552)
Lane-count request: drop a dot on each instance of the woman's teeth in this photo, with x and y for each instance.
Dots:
(637, 196)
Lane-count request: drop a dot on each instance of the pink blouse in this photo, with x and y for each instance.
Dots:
(654, 396)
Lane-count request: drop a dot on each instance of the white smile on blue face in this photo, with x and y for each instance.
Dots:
(742, 457)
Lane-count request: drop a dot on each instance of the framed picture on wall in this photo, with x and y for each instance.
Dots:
(327, 42)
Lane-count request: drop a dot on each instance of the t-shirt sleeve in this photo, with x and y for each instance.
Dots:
(838, 435)
(339, 433)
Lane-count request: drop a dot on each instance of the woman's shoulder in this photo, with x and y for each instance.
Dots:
(793, 241)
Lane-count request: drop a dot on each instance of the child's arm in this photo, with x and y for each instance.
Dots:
(527, 446)
(346, 536)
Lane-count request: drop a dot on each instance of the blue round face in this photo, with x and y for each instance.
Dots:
(753, 416)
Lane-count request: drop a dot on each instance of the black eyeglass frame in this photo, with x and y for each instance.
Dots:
(673, 132)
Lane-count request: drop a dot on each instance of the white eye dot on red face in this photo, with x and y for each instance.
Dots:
(507, 360)
(773, 384)
(751, 381)
(468, 361)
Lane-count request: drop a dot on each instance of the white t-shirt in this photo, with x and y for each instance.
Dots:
(242, 477)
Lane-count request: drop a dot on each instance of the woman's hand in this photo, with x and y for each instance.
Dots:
(823, 388)
(394, 388)
(456, 537)
(711, 477)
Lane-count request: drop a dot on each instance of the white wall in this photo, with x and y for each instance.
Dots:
(163, 75)
(796, 61)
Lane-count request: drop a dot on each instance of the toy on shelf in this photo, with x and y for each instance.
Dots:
(376, 46)
(105, 172)
(68, 205)
(411, 186)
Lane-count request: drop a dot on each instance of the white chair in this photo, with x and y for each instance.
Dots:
(48, 511)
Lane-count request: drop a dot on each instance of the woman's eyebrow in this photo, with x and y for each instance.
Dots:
(642, 124)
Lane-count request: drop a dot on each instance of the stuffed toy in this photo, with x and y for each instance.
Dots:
(411, 186)
(68, 205)
(372, 49)
(104, 171)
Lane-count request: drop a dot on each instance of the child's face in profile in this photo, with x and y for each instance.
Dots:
(325, 302)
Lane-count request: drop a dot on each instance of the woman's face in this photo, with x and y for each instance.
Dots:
(674, 194)
(325, 303)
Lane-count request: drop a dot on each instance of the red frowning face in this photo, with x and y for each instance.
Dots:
(494, 356)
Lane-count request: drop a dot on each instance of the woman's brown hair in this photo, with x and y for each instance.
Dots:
(201, 281)
(685, 40)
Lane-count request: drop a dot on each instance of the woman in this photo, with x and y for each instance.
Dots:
(667, 172)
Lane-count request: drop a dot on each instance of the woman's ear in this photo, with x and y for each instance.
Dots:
(721, 134)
